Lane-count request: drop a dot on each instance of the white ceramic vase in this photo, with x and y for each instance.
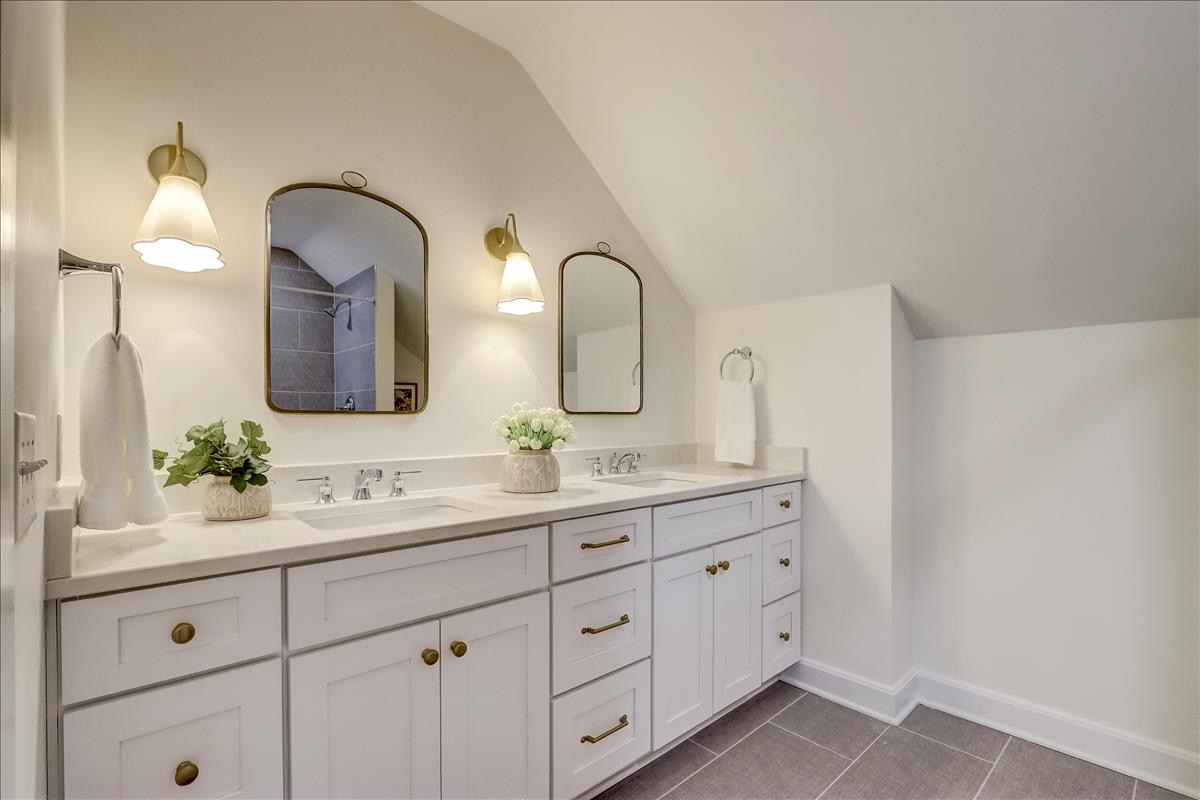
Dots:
(223, 503)
(529, 472)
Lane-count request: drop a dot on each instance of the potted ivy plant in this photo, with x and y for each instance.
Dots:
(239, 488)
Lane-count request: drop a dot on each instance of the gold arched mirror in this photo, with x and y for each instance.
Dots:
(347, 303)
(600, 364)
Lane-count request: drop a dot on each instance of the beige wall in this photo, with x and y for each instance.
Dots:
(824, 376)
(1057, 532)
(440, 121)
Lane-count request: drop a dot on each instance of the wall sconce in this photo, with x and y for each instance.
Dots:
(177, 231)
(519, 290)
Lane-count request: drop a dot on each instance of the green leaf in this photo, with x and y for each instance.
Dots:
(258, 480)
(238, 483)
(251, 429)
(159, 458)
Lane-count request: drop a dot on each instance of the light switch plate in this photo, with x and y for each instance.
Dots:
(25, 428)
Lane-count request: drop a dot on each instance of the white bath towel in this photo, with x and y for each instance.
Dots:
(101, 440)
(114, 440)
(146, 503)
(736, 426)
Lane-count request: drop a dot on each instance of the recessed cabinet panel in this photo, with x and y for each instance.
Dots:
(211, 737)
(780, 635)
(698, 523)
(496, 701)
(737, 610)
(781, 503)
(781, 561)
(365, 718)
(600, 729)
(122, 641)
(683, 644)
(600, 624)
(336, 599)
(591, 544)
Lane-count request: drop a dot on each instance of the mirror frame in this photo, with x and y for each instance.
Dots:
(267, 300)
(641, 333)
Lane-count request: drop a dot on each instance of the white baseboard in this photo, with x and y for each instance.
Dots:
(1163, 765)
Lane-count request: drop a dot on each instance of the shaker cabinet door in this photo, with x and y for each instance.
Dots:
(683, 644)
(218, 736)
(365, 718)
(737, 620)
(496, 701)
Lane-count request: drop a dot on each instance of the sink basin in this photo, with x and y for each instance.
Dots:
(655, 480)
(362, 515)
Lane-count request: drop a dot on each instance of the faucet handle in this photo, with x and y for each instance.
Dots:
(398, 481)
(324, 491)
(597, 466)
(635, 462)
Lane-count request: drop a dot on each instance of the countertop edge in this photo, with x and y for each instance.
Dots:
(73, 587)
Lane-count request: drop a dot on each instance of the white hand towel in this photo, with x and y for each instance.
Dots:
(101, 440)
(146, 504)
(736, 426)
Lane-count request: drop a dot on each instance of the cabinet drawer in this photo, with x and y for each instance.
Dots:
(618, 601)
(335, 599)
(223, 731)
(780, 652)
(698, 523)
(122, 641)
(592, 544)
(781, 503)
(622, 699)
(781, 561)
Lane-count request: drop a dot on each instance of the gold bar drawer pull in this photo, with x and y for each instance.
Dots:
(623, 539)
(621, 723)
(624, 620)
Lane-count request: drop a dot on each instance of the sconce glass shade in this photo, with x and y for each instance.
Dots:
(177, 231)
(520, 293)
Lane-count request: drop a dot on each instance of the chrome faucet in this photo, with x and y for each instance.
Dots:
(630, 459)
(363, 480)
(597, 467)
(398, 481)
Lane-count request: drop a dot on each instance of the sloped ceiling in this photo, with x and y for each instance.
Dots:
(1006, 166)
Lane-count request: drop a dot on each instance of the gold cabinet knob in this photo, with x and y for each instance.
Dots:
(429, 656)
(185, 773)
(785, 503)
(458, 648)
(787, 637)
(723, 565)
(785, 562)
(711, 569)
(183, 633)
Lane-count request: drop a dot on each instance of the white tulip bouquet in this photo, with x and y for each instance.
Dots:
(535, 428)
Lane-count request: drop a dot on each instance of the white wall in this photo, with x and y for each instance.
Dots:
(31, 138)
(824, 379)
(440, 121)
(1057, 522)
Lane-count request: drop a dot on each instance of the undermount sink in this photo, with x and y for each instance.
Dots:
(655, 480)
(412, 509)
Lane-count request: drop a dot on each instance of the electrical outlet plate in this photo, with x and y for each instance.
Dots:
(25, 428)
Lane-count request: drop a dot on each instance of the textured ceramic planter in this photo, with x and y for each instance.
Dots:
(529, 472)
(223, 503)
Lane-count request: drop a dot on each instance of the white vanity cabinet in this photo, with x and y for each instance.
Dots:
(540, 662)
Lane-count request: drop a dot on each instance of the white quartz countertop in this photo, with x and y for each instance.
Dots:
(186, 546)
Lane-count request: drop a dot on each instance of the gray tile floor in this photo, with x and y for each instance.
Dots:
(786, 743)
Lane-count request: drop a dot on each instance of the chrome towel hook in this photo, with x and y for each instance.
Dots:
(744, 352)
